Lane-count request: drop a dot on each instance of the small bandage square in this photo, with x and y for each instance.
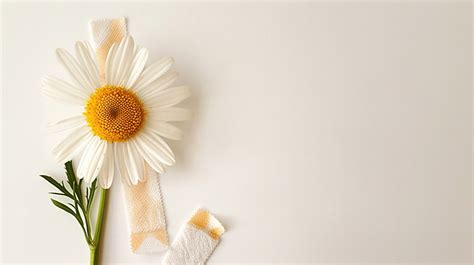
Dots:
(196, 241)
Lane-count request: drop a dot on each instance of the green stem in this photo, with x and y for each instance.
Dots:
(88, 226)
(94, 247)
(93, 257)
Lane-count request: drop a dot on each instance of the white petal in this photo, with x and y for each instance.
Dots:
(124, 60)
(109, 63)
(63, 91)
(153, 72)
(88, 63)
(138, 64)
(106, 175)
(129, 164)
(75, 70)
(98, 161)
(156, 147)
(66, 124)
(164, 145)
(169, 114)
(115, 64)
(92, 159)
(121, 61)
(135, 50)
(169, 97)
(152, 161)
(62, 97)
(134, 163)
(120, 161)
(165, 129)
(86, 156)
(92, 51)
(60, 84)
(74, 142)
(161, 83)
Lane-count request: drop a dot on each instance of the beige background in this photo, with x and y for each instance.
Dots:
(323, 132)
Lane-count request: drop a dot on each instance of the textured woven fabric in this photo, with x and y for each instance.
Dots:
(146, 215)
(196, 241)
(144, 205)
(104, 33)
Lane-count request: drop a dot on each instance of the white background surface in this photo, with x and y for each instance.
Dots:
(323, 132)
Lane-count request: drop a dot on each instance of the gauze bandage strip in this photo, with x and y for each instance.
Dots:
(145, 215)
(144, 205)
(196, 241)
(106, 32)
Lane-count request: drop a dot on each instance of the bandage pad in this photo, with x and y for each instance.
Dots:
(196, 241)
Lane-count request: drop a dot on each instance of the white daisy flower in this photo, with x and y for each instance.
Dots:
(124, 119)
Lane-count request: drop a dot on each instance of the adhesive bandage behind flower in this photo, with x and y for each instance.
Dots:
(106, 32)
(196, 241)
(145, 212)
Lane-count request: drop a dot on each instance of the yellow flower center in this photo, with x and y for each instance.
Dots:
(115, 114)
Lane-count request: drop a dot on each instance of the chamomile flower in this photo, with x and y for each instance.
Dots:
(126, 113)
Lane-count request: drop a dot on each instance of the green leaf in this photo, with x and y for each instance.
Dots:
(79, 193)
(59, 194)
(94, 184)
(70, 171)
(56, 184)
(79, 206)
(71, 176)
(80, 197)
(62, 206)
(92, 189)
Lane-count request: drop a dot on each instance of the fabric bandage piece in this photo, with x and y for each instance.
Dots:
(104, 33)
(146, 216)
(196, 241)
(144, 204)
